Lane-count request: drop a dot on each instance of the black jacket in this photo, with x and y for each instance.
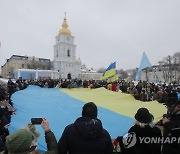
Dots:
(144, 147)
(85, 136)
(172, 129)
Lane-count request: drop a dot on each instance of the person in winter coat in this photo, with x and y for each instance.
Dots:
(171, 125)
(142, 129)
(86, 135)
(23, 141)
(4, 118)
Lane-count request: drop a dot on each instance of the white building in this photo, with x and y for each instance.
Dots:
(65, 61)
(160, 74)
(90, 76)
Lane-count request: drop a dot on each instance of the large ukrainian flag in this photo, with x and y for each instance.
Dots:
(110, 71)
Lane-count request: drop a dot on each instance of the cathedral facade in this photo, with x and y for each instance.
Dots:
(65, 61)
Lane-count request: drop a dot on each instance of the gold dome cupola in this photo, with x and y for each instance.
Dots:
(64, 30)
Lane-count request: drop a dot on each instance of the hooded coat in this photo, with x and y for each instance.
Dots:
(85, 136)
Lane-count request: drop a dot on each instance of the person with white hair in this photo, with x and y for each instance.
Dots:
(142, 128)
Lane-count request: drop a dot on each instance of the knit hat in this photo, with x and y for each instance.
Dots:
(144, 116)
(89, 110)
(19, 141)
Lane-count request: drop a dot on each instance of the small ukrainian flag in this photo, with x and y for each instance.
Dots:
(110, 71)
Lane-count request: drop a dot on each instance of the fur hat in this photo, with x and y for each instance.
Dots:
(19, 141)
(144, 116)
(89, 110)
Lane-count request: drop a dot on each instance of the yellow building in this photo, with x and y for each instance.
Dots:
(24, 62)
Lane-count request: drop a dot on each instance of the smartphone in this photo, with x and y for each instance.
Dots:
(36, 121)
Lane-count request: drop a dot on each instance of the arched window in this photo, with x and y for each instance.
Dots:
(57, 53)
(68, 53)
(69, 75)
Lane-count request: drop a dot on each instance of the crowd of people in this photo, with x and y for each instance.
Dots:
(86, 134)
(143, 91)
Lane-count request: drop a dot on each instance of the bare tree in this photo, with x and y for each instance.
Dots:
(123, 74)
(39, 65)
(101, 70)
(176, 67)
(170, 66)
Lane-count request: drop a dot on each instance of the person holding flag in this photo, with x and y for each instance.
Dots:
(110, 74)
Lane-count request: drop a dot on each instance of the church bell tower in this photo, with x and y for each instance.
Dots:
(65, 54)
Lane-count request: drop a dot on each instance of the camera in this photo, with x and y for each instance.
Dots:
(36, 121)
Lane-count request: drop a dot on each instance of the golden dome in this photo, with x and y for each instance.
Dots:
(64, 29)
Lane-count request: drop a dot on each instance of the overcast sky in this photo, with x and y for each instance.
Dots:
(105, 30)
